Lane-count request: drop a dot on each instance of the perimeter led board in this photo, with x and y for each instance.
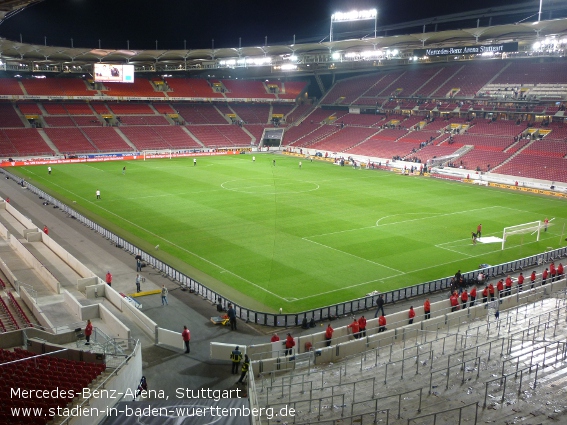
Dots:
(111, 73)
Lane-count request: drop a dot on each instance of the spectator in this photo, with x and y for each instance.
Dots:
(427, 308)
(411, 315)
(186, 335)
(544, 276)
(533, 279)
(164, 295)
(329, 334)
(552, 271)
(45, 230)
(559, 271)
(491, 291)
(108, 278)
(520, 282)
(275, 338)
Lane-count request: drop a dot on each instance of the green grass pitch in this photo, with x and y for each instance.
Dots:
(273, 237)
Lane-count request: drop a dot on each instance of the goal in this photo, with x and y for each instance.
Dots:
(157, 153)
(521, 229)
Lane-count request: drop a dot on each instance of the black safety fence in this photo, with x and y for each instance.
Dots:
(345, 308)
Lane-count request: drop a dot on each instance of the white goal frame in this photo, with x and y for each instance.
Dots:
(531, 227)
(163, 153)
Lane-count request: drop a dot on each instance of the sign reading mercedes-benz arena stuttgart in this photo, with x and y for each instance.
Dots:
(468, 50)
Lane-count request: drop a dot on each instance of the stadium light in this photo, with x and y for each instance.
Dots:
(354, 15)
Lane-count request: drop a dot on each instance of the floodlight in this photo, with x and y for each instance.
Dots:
(536, 45)
(288, 67)
(354, 15)
(336, 55)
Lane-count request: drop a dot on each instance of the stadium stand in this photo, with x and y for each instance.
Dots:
(140, 87)
(9, 117)
(56, 87)
(27, 141)
(70, 140)
(106, 139)
(198, 113)
(191, 87)
(10, 87)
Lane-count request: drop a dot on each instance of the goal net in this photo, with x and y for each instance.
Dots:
(524, 230)
(157, 153)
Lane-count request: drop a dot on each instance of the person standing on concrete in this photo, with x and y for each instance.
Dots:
(382, 323)
(245, 367)
(379, 305)
(186, 335)
(108, 278)
(231, 313)
(544, 276)
(45, 230)
(275, 338)
(472, 296)
(508, 290)
(137, 283)
(88, 332)
(164, 295)
(520, 282)
(427, 308)
(329, 334)
(533, 279)
(411, 315)
(362, 325)
(289, 344)
(464, 299)
(491, 291)
(355, 328)
(236, 357)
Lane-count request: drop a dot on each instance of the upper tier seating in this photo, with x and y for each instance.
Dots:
(100, 108)
(298, 112)
(27, 141)
(86, 120)
(140, 87)
(282, 108)
(56, 87)
(10, 87)
(9, 117)
(471, 78)
(347, 91)
(191, 87)
(410, 81)
(533, 72)
(496, 128)
(247, 89)
(200, 113)
(366, 120)
(292, 89)
(443, 74)
(70, 140)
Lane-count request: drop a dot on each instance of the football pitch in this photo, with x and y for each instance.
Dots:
(280, 236)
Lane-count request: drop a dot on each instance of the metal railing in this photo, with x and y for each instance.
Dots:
(284, 320)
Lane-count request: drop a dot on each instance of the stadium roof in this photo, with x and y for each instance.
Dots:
(524, 33)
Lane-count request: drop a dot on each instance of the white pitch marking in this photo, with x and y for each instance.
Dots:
(352, 255)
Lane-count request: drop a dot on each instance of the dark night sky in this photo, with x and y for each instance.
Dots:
(172, 21)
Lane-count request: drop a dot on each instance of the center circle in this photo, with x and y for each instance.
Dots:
(269, 186)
